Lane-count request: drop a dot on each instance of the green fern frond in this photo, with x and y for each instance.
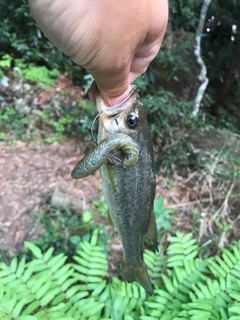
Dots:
(122, 299)
(155, 263)
(182, 248)
(156, 305)
(42, 287)
(92, 267)
(185, 288)
(234, 311)
(199, 310)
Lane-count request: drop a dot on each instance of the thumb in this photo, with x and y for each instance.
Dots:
(113, 85)
(110, 101)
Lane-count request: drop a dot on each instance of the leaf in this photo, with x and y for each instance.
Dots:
(222, 264)
(94, 309)
(235, 296)
(68, 283)
(73, 290)
(57, 262)
(34, 249)
(48, 254)
(27, 318)
(13, 265)
(3, 266)
(18, 308)
(170, 288)
(186, 238)
(236, 252)
(235, 309)
(50, 295)
(230, 255)
(175, 248)
(87, 216)
(202, 305)
(43, 290)
(216, 270)
(21, 268)
(98, 290)
(63, 273)
(9, 278)
(59, 298)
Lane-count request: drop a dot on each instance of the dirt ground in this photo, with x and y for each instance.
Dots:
(30, 172)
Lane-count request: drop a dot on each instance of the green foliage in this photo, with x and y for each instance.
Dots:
(23, 121)
(64, 230)
(50, 124)
(38, 74)
(163, 215)
(12, 121)
(185, 286)
(22, 39)
(165, 110)
(195, 288)
(5, 61)
(223, 16)
(184, 14)
(174, 70)
(59, 226)
(68, 119)
(101, 206)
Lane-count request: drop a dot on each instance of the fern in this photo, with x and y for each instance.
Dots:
(185, 287)
(155, 264)
(189, 292)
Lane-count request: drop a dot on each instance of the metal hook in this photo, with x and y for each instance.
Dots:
(94, 120)
(111, 157)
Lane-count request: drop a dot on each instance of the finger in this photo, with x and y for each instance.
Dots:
(113, 84)
(142, 59)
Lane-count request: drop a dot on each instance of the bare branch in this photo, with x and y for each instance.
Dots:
(203, 70)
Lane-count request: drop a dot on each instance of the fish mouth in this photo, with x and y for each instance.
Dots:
(117, 108)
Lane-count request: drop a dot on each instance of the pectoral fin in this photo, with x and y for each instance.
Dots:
(111, 177)
(110, 219)
(152, 231)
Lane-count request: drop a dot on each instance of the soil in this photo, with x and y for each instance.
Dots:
(29, 172)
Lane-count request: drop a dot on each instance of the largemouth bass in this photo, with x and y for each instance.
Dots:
(125, 158)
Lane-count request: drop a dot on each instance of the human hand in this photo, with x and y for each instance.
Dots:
(114, 40)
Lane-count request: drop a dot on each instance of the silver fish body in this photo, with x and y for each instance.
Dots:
(129, 192)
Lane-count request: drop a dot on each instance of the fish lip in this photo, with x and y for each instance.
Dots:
(116, 109)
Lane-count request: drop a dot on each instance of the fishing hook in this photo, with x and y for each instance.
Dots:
(111, 155)
(94, 120)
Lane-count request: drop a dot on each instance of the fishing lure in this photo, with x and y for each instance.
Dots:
(103, 151)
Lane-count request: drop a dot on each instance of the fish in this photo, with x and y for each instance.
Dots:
(127, 170)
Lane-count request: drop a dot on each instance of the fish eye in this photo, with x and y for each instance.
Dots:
(132, 121)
